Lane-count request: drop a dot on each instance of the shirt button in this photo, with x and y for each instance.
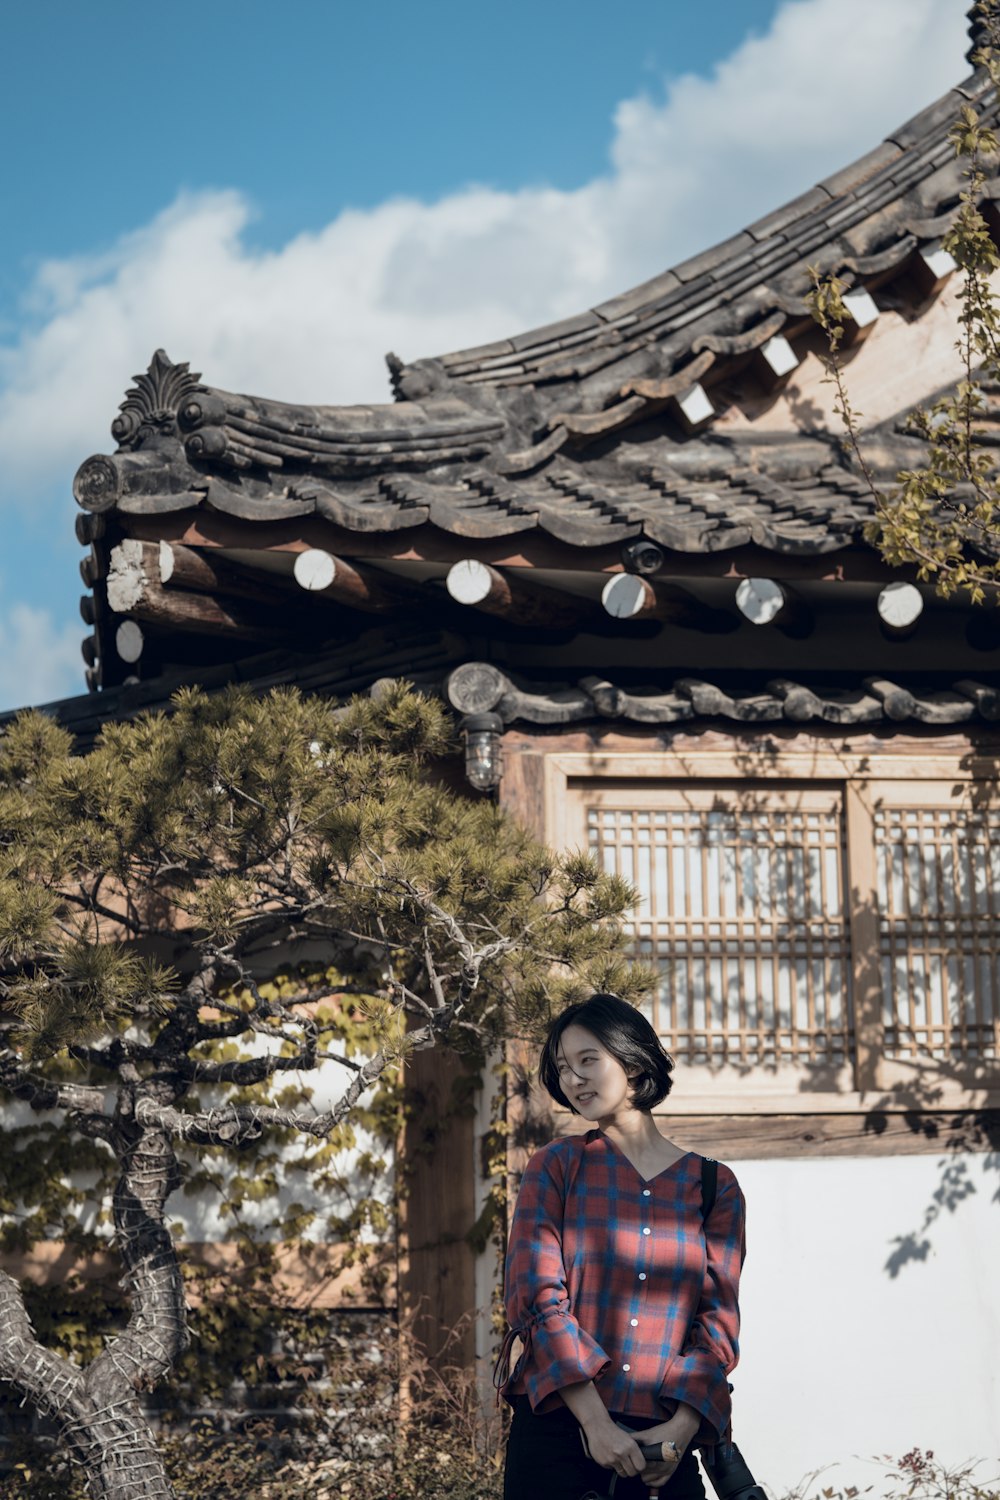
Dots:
(634, 1322)
(646, 1192)
(646, 1231)
(626, 1367)
(642, 1275)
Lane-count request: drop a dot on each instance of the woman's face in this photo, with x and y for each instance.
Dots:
(594, 1082)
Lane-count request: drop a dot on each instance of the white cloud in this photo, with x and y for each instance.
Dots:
(39, 661)
(312, 321)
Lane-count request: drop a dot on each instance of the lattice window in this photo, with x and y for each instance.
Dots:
(741, 903)
(939, 927)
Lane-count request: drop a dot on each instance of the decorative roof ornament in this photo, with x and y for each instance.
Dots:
(982, 27)
(152, 405)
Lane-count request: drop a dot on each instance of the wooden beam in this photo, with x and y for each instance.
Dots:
(522, 552)
(90, 568)
(764, 601)
(135, 590)
(931, 266)
(144, 578)
(862, 314)
(89, 526)
(505, 594)
(626, 596)
(774, 362)
(170, 609)
(350, 583)
(183, 567)
(136, 567)
(866, 1133)
(315, 571)
(899, 606)
(129, 641)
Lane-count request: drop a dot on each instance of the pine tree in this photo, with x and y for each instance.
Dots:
(151, 890)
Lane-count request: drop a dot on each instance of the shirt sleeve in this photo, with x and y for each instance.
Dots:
(697, 1376)
(557, 1352)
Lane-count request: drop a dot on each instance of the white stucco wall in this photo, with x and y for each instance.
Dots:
(841, 1359)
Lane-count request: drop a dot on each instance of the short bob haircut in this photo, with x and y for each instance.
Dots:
(626, 1034)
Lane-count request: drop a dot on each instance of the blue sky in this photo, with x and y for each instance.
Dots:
(280, 196)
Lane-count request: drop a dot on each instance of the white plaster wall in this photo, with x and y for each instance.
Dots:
(842, 1360)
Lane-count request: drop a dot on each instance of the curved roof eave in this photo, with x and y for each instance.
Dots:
(861, 222)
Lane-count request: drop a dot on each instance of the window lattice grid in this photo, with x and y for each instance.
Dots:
(939, 920)
(743, 910)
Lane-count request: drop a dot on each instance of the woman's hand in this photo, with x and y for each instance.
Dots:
(614, 1449)
(656, 1476)
(679, 1430)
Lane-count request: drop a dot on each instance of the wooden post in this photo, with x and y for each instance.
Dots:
(862, 904)
(437, 1207)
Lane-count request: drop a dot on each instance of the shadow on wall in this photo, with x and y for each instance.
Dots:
(966, 1138)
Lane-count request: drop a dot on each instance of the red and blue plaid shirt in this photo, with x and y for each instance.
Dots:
(617, 1279)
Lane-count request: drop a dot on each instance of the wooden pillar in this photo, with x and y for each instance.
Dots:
(436, 1162)
(529, 1120)
(862, 899)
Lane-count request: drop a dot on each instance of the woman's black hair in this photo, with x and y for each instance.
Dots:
(626, 1034)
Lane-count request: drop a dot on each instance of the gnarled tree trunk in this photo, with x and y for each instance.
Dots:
(96, 1410)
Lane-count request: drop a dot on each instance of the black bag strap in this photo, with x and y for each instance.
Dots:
(709, 1182)
(723, 1462)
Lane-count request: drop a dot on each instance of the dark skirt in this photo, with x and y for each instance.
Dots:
(546, 1461)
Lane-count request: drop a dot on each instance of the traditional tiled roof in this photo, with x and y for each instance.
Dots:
(482, 687)
(491, 440)
(866, 223)
(568, 500)
(586, 436)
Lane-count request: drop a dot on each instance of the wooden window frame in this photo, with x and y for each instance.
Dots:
(874, 1082)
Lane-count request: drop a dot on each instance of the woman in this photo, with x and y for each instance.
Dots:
(624, 1299)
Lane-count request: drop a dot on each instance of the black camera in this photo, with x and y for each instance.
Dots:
(729, 1474)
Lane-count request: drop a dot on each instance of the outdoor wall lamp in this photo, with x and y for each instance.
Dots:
(483, 750)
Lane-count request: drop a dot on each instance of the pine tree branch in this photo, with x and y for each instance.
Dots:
(244, 1072)
(236, 1124)
(110, 1058)
(42, 1375)
(97, 908)
(41, 1093)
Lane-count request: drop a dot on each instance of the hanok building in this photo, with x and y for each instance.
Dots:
(629, 550)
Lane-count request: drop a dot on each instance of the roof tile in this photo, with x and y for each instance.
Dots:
(552, 333)
(851, 177)
(707, 260)
(649, 293)
(941, 112)
(789, 214)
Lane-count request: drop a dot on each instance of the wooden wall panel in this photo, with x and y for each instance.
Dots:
(309, 1277)
(869, 1133)
(522, 790)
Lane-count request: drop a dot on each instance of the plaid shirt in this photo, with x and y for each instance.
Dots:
(616, 1279)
